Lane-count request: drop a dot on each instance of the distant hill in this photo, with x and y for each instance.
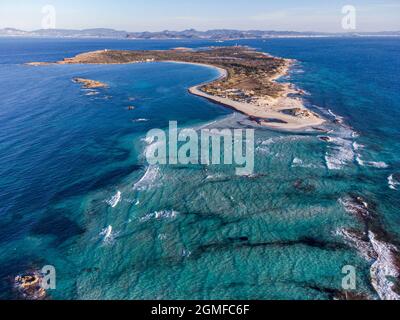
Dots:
(218, 34)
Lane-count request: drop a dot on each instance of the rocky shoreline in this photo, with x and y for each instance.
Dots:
(375, 245)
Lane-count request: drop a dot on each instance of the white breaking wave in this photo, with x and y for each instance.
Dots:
(378, 164)
(186, 253)
(151, 146)
(113, 202)
(216, 177)
(140, 120)
(297, 162)
(337, 118)
(152, 174)
(149, 140)
(344, 129)
(354, 134)
(263, 150)
(393, 183)
(357, 146)
(150, 150)
(159, 215)
(267, 142)
(281, 139)
(107, 234)
(340, 154)
(149, 179)
(162, 236)
(92, 93)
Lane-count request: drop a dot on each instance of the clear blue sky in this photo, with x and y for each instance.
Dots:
(155, 15)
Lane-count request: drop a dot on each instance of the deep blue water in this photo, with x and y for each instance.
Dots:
(64, 153)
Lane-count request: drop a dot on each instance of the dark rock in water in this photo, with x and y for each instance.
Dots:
(259, 120)
(301, 186)
(255, 119)
(29, 286)
(131, 108)
(324, 138)
(359, 206)
(255, 176)
(239, 239)
(273, 120)
(320, 129)
(338, 121)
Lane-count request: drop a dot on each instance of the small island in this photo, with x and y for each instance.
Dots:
(247, 81)
(90, 84)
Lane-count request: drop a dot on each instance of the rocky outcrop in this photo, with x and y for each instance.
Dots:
(29, 286)
(90, 84)
(375, 245)
(298, 112)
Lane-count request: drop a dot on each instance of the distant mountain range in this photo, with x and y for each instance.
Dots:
(218, 34)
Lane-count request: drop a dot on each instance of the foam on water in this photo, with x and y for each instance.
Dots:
(151, 147)
(282, 139)
(113, 202)
(160, 215)
(336, 117)
(140, 120)
(186, 253)
(339, 154)
(162, 236)
(262, 150)
(92, 93)
(393, 182)
(149, 180)
(216, 177)
(375, 164)
(297, 161)
(107, 234)
(357, 146)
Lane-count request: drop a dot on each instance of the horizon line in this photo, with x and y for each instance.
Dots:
(197, 30)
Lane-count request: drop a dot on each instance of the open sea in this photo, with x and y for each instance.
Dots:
(72, 164)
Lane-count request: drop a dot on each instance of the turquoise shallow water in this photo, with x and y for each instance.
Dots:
(192, 232)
